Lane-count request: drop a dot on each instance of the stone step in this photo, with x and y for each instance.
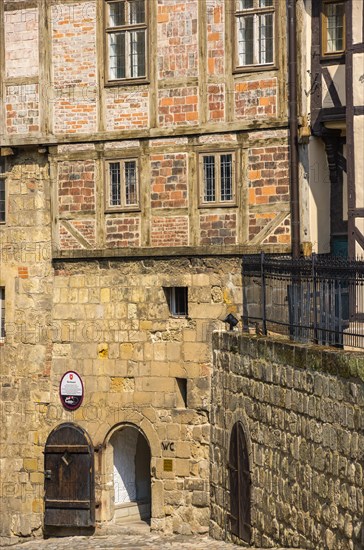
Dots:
(137, 528)
(131, 512)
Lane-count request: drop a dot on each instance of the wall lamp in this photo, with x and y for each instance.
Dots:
(231, 320)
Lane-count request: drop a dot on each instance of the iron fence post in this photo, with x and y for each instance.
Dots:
(245, 316)
(309, 299)
(264, 313)
(314, 283)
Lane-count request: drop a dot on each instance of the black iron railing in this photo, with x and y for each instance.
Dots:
(317, 299)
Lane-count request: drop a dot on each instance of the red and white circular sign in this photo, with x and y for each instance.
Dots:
(71, 390)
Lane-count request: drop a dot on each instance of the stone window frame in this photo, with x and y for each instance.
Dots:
(3, 191)
(2, 314)
(127, 29)
(177, 300)
(255, 11)
(123, 206)
(324, 28)
(217, 153)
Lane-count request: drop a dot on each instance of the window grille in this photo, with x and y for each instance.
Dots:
(122, 177)
(217, 173)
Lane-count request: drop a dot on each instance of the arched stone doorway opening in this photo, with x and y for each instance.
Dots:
(240, 484)
(131, 456)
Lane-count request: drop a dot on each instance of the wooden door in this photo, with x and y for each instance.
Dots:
(240, 482)
(69, 478)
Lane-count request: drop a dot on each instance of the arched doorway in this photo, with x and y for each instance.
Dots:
(69, 478)
(240, 483)
(131, 474)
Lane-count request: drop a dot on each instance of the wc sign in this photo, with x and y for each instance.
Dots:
(71, 390)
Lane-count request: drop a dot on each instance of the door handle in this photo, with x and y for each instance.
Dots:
(48, 474)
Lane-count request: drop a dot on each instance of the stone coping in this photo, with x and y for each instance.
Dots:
(339, 362)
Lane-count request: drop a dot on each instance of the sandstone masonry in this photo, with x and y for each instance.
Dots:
(110, 211)
(301, 409)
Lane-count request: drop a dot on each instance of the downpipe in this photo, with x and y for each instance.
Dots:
(293, 127)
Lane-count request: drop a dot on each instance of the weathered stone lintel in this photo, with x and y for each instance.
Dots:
(166, 252)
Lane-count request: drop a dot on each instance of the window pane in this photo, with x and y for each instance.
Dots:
(137, 11)
(117, 55)
(266, 38)
(137, 53)
(130, 182)
(114, 171)
(245, 40)
(335, 27)
(245, 4)
(179, 303)
(265, 3)
(209, 178)
(226, 175)
(117, 14)
(2, 200)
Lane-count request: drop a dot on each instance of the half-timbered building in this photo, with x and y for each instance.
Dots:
(145, 145)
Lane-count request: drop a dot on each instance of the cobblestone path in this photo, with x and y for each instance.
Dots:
(125, 540)
(131, 542)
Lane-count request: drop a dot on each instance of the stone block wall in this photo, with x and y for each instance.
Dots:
(114, 327)
(26, 275)
(301, 408)
(109, 321)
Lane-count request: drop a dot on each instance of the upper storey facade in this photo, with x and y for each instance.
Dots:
(333, 97)
(97, 69)
(164, 122)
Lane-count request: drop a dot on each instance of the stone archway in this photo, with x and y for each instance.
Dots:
(130, 459)
(240, 484)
